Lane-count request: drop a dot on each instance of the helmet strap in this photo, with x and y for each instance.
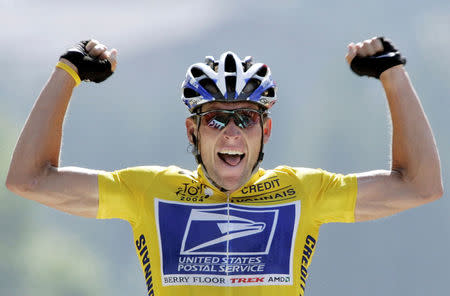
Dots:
(199, 160)
(261, 153)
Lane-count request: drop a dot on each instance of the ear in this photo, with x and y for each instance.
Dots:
(191, 129)
(267, 129)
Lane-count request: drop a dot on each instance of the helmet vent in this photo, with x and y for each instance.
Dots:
(270, 92)
(247, 63)
(211, 87)
(196, 72)
(230, 64)
(262, 71)
(190, 93)
(251, 85)
(230, 81)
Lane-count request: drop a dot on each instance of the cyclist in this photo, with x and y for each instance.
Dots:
(230, 227)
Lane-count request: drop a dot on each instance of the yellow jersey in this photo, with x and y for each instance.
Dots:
(193, 239)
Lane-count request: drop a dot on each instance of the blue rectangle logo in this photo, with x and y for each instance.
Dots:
(226, 244)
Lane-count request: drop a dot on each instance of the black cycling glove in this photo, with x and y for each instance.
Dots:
(89, 68)
(373, 66)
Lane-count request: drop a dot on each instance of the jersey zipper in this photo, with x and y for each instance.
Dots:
(228, 288)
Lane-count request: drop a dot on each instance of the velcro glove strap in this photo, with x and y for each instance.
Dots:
(373, 66)
(89, 68)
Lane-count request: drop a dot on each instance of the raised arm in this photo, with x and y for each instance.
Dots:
(415, 175)
(34, 172)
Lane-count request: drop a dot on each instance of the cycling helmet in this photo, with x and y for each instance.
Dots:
(228, 79)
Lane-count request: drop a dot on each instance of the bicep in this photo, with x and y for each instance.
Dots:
(69, 189)
(384, 193)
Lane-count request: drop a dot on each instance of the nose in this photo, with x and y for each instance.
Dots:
(232, 131)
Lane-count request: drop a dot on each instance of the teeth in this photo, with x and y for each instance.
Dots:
(231, 152)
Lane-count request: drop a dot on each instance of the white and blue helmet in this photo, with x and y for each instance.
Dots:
(228, 79)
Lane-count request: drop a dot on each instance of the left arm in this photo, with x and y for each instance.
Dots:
(415, 175)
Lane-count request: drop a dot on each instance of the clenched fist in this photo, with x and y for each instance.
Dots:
(373, 56)
(92, 60)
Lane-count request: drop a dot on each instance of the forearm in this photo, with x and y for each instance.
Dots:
(414, 151)
(39, 144)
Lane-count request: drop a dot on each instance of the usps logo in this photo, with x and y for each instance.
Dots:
(226, 244)
(224, 231)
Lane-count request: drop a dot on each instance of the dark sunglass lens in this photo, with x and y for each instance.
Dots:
(207, 117)
(248, 118)
(216, 120)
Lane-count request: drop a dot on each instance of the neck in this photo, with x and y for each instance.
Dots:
(205, 171)
(223, 189)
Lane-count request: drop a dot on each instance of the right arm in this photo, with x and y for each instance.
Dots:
(34, 172)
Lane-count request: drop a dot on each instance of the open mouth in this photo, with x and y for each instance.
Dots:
(232, 158)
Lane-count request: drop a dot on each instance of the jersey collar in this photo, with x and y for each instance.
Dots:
(204, 180)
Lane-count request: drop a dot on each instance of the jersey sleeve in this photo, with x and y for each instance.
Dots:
(121, 192)
(329, 197)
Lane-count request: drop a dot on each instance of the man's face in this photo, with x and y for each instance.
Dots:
(230, 153)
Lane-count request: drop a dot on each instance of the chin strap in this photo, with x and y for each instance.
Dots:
(261, 153)
(198, 159)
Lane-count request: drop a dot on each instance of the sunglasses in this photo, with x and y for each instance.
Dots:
(243, 118)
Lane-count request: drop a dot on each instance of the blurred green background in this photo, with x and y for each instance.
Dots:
(326, 117)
